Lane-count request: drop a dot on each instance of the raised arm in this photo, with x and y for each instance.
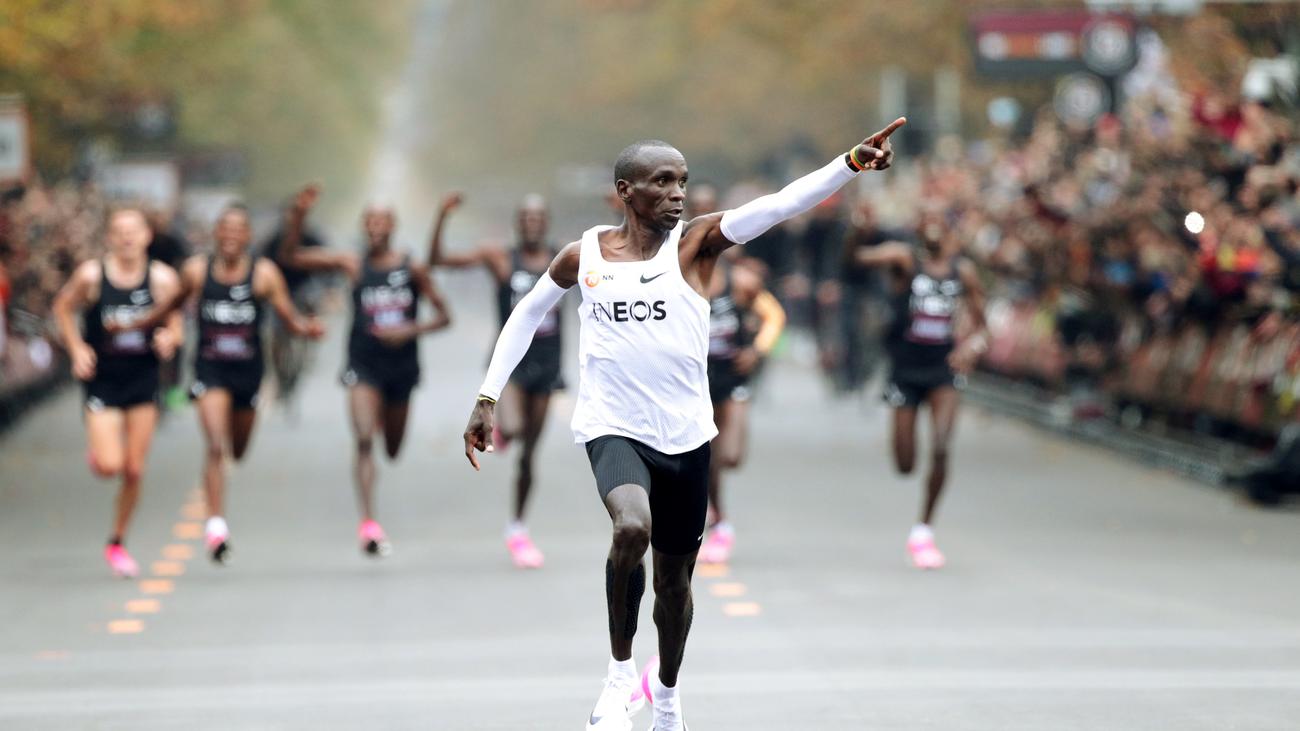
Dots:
(516, 335)
(490, 257)
(748, 222)
(772, 317)
(966, 355)
(292, 254)
(890, 253)
(75, 295)
(269, 286)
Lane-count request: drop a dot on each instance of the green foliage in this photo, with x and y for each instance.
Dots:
(295, 84)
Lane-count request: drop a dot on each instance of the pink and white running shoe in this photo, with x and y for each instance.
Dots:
(215, 537)
(717, 546)
(523, 551)
(121, 563)
(500, 442)
(925, 555)
(650, 669)
(373, 540)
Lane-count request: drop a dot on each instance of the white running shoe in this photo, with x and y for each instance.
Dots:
(667, 717)
(619, 701)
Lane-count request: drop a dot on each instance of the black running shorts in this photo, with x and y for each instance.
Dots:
(725, 384)
(678, 486)
(393, 382)
(540, 375)
(122, 391)
(911, 389)
(242, 379)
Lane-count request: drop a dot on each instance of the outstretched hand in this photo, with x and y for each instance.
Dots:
(452, 201)
(306, 198)
(478, 433)
(875, 152)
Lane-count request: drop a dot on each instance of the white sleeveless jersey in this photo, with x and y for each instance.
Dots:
(643, 348)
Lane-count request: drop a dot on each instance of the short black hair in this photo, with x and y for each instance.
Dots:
(235, 207)
(628, 164)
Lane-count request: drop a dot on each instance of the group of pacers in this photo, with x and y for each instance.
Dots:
(673, 325)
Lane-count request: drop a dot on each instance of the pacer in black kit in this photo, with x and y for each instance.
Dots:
(383, 363)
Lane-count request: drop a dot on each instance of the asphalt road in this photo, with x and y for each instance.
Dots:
(1082, 592)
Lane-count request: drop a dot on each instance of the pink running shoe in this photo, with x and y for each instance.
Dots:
(216, 536)
(121, 563)
(651, 667)
(373, 540)
(925, 555)
(500, 442)
(717, 547)
(523, 551)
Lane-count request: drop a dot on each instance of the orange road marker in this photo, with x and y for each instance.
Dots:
(156, 586)
(193, 511)
(167, 568)
(712, 570)
(727, 589)
(741, 609)
(143, 606)
(187, 531)
(178, 552)
(125, 627)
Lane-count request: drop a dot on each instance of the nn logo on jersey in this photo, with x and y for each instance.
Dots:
(637, 311)
(593, 277)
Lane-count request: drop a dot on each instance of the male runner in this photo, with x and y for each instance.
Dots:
(230, 288)
(928, 363)
(383, 350)
(745, 321)
(527, 396)
(170, 248)
(289, 354)
(643, 407)
(119, 368)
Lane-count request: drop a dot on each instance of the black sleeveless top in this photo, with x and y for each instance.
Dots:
(128, 351)
(230, 320)
(922, 335)
(729, 327)
(382, 298)
(521, 281)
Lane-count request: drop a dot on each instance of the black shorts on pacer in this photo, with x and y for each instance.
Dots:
(677, 484)
(121, 390)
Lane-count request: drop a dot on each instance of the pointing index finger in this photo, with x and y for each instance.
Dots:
(884, 134)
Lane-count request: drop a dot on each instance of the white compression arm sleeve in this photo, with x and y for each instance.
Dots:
(749, 221)
(517, 334)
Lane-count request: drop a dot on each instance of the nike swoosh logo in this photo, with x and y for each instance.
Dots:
(645, 280)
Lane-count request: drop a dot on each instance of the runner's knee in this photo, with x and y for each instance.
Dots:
(632, 533)
(672, 586)
(106, 466)
(905, 461)
(216, 451)
(133, 471)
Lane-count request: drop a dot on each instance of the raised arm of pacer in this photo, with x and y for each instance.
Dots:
(292, 253)
(748, 222)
